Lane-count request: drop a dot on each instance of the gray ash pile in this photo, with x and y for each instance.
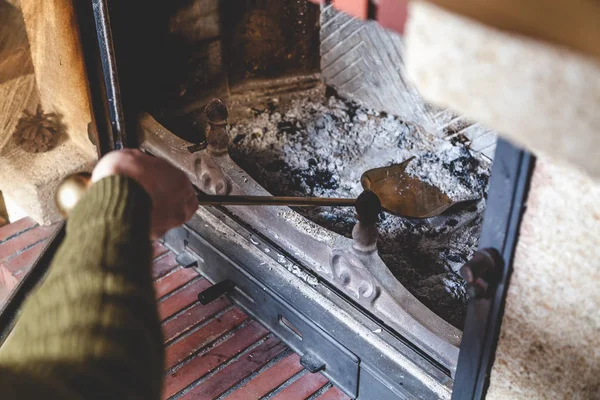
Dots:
(322, 147)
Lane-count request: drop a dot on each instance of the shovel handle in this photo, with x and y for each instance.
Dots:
(71, 190)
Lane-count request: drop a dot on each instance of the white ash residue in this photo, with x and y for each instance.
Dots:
(308, 227)
(321, 148)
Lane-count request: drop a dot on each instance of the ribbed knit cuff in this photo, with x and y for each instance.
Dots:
(114, 199)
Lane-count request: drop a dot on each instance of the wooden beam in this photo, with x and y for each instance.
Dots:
(17, 83)
(58, 65)
(573, 24)
(15, 59)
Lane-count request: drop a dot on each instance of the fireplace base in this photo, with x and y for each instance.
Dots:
(357, 352)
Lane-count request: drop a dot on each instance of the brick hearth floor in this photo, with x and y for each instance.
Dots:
(212, 352)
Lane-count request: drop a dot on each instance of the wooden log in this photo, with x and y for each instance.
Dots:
(15, 60)
(57, 57)
(17, 83)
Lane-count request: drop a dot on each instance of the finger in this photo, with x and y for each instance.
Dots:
(106, 166)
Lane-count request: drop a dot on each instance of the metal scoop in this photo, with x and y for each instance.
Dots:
(405, 195)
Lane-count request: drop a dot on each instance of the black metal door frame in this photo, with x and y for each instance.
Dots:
(506, 203)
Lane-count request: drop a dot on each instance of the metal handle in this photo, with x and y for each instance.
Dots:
(242, 200)
(71, 190)
(214, 292)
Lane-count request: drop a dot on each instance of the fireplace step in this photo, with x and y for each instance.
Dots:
(301, 311)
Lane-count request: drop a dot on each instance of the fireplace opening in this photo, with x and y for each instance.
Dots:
(296, 135)
(312, 104)
(320, 146)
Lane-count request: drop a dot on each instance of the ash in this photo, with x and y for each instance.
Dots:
(321, 147)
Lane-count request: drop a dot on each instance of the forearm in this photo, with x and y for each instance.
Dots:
(92, 325)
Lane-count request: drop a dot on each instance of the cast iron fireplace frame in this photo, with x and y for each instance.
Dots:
(507, 196)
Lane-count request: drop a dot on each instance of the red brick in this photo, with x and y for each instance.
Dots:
(158, 249)
(174, 280)
(17, 243)
(182, 299)
(356, 8)
(163, 266)
(269, 379)
(178, 351)
(16, 227)
(392, 14)
(193, 317)
(7, 280)
(303, 388)
(21, 263)
(229, 376)
(4, 294)
(208, 361)
(333, 394)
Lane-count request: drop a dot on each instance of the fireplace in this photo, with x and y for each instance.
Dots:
(379, 309)
(315, 98)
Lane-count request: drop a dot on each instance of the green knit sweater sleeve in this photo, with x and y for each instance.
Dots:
(91, 330)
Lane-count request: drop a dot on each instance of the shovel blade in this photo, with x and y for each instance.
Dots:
(404, 195)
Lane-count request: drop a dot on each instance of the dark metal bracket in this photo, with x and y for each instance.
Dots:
(186, 260)
(215, 291)
(489, 272)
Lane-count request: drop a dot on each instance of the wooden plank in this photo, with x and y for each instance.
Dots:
(17, 82)
(15, 59)
(58, 64)
(572, 23)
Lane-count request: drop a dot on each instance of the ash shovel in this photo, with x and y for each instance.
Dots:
(400, 194)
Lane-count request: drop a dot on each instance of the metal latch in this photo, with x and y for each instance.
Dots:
(215, 291)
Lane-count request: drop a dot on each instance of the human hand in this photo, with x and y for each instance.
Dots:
(173, 198)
